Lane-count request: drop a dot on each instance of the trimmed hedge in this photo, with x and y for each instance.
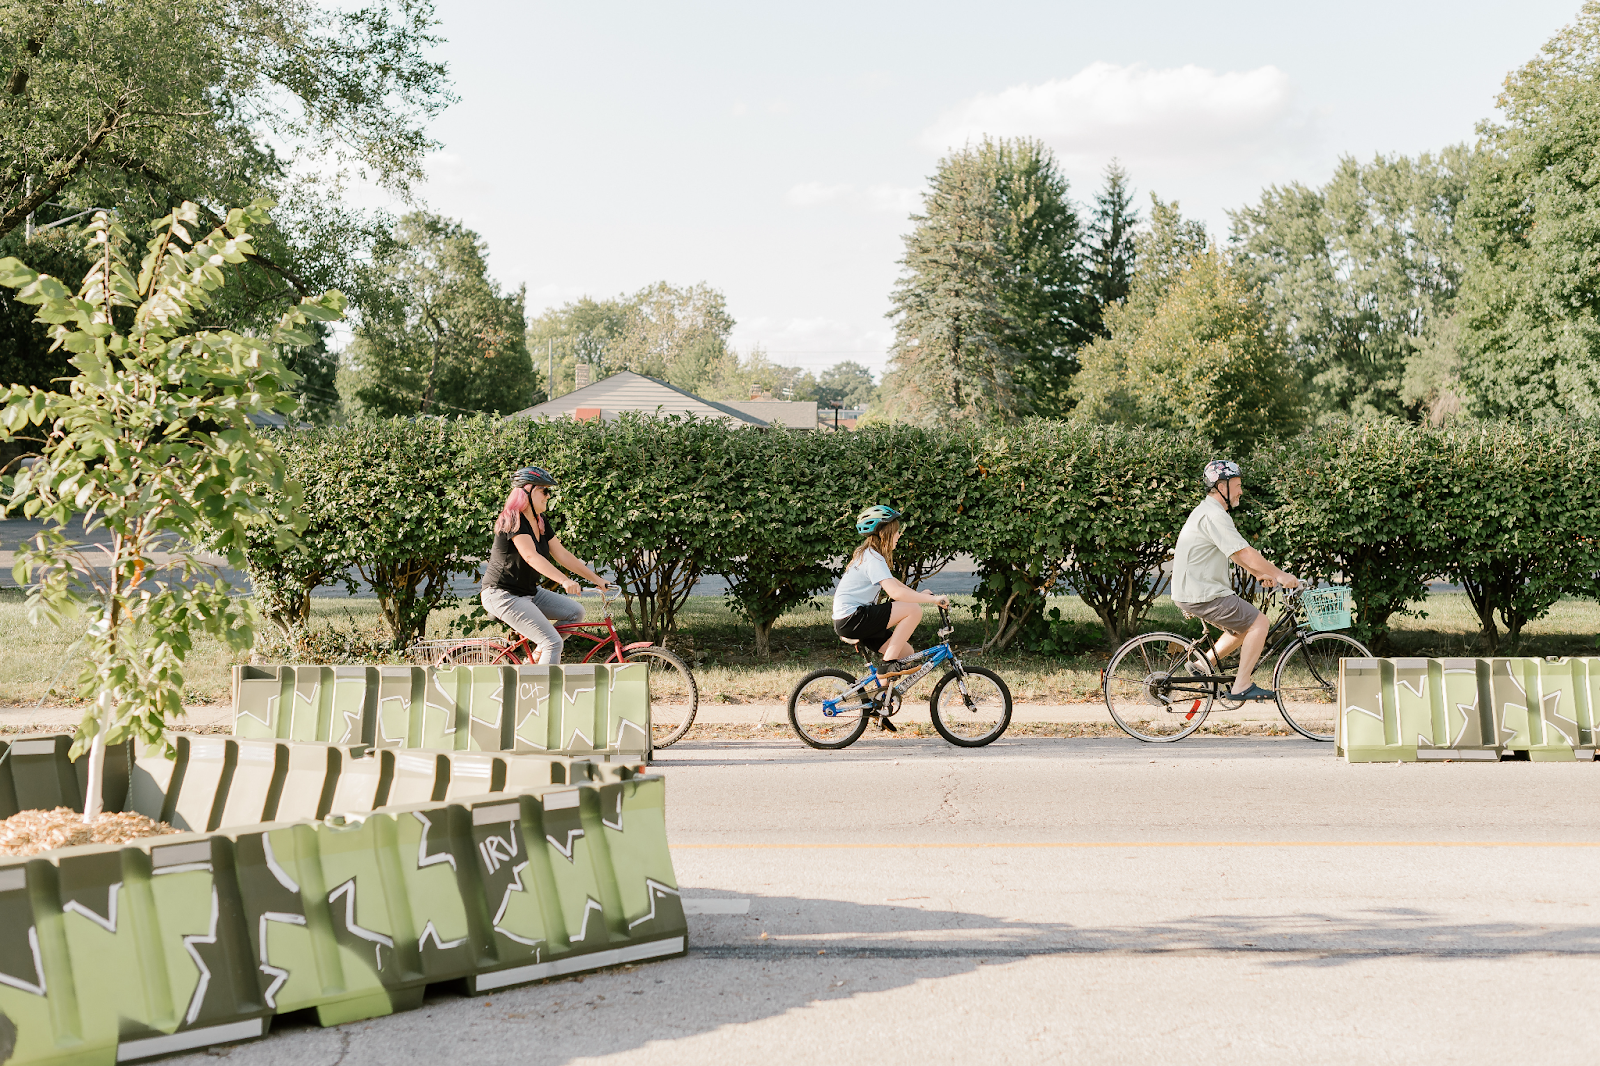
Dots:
(1508, 511)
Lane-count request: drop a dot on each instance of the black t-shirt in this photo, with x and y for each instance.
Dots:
(507, 569)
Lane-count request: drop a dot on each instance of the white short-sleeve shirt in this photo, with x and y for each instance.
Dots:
(859, 585)
(1201, 560)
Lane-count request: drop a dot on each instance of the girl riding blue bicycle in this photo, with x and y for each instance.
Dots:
(885, 628)
(830, 708)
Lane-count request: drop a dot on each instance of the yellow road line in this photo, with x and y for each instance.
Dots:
(1153, 844)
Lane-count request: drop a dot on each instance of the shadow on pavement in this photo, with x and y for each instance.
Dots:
(816, 950)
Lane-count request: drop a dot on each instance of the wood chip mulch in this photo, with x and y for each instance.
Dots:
(30, 832)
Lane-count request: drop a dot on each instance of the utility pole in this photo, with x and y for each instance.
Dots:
(27, 194)
(550, 350)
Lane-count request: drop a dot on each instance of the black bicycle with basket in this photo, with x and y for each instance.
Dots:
(1159, 687)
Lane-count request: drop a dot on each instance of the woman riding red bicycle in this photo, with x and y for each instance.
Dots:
(526, 546)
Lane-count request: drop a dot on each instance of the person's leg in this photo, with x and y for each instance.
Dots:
(521, 614)
(903, 619)
(1226, 645)
(558, 608)
(1255, 638)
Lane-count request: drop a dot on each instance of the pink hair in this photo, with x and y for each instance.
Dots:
(512, 511)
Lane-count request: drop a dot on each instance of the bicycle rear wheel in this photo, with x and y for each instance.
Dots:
(473, 653)
(674, 696)
(1138, 688)
(973, 710)
(1307, 682)
(808, 713)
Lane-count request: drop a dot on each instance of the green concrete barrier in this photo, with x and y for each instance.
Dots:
(601, 711)
(1412, 709)
(334, 704)
(111, 954)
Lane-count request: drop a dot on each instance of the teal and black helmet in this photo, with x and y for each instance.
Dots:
(875, 516)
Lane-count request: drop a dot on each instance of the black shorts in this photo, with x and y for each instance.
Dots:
(869, 625)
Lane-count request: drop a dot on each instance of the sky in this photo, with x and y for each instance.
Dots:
(775, 151)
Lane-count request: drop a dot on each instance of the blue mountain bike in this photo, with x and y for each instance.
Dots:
(970, 706)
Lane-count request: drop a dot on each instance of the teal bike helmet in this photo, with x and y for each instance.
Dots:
(875, 516)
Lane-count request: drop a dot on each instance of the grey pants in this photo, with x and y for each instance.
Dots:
(534, 616)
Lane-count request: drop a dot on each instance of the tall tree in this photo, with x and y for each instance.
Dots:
(1191, 347)
(990, 311)
(1109, 247)
(446, 341)
(139, 105)
(1530, 336)
(581, 331)
(679, 335)
(1357, 274)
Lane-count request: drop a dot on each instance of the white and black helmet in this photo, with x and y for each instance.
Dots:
(1220, 470)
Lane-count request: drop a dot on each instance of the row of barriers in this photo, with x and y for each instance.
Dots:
(581, 709)
(1410, 709)
(426, 867)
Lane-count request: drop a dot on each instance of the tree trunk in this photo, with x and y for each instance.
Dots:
(95, 786)
(764, 639)
(1483, 599)
(54, 183)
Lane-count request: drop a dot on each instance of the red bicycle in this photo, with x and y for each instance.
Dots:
(674, 696)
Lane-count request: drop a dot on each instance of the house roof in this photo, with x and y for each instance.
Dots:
(627, 391)
(795, 414)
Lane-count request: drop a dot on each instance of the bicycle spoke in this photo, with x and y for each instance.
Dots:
(1307, 681)
(1141, 696)
(824, 710)
(976, 716)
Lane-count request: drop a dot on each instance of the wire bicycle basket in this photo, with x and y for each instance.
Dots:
(1327, 608)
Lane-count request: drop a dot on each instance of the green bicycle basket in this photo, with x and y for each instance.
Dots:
(1327, 608)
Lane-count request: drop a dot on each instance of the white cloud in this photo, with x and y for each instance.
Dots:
(895, 199)
(1201, 135)
(542, 298)
(1106, 109)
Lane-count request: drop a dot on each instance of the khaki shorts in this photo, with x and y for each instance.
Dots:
(1233, 614)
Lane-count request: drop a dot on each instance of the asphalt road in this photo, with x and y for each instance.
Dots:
(1224, 900)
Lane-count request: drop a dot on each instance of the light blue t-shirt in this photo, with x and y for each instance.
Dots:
(859, 585)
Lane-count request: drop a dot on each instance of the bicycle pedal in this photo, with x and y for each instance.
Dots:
(886, 725)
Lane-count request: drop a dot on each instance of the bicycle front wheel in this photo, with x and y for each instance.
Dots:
(970, 707)
(1307, 682)
(1140, 692)
(674, 696)
(808, 711)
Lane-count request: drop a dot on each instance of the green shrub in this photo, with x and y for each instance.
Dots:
(1508, 511)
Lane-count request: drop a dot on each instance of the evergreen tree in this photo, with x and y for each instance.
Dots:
(990, 311)
(1109, 247)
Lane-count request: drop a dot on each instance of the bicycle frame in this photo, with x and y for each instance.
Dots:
(1287, 630)
(926, 661)
(601, 634)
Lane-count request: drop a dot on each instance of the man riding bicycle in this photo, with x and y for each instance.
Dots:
(1200, 585)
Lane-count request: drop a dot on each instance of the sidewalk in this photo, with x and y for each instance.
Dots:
(56, 719)
(48, 719)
